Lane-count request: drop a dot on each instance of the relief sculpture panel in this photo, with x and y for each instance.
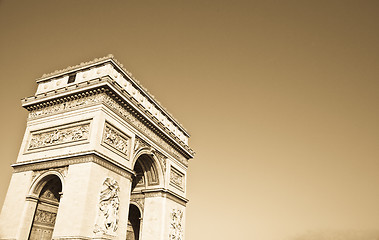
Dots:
(59, 135)
(74, 104)
(176, 225)
(176, 178)
(45, 217)
(116, 140)
(134, 121)
(107, 218)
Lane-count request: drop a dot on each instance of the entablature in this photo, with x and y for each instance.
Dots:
(109, 66)
(107, 91)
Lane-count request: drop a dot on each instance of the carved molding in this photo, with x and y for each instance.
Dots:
(139, 144)
(45, 217)
(69, 160)
(116, 140)
(59, 135)
(62, 170)
(66, 104)
(166, 194)
(123, 80)
(162, 159)
(49, 196)
(137, 123)
(99, 96)
(108, 207)
(177, 178)
(176, 199)
(138, 201)
(176, 225)
(154, 194)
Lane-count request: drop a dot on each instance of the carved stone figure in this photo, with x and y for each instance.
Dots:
(176, 178)
(116, 139)
(176, 226)
(107, 219)
(46, 217)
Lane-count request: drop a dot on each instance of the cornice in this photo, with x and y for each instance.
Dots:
(146, 115)
(120, 96)
(161, 192)
(64, 94)
(66, 160)
(120, 68)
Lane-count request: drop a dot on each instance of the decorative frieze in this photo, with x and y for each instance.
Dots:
(107, 218)
(62, 170)
(65, 160)
(45, 217)
(59, 135)
(137, 123)
(176, 178)
(73, 103)
(66, 105)
(116, 140)
(176, 225)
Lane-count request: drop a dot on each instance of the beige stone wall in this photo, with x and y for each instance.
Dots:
(59, 135)
(90, 134)
(79, 204)
(153, 223)
(14, 217)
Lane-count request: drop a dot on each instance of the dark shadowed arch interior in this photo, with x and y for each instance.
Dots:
(134, 219)
(146, 172)
(46, 209)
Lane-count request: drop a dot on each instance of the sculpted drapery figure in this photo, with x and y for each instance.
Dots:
(107, 219)
(176, 228)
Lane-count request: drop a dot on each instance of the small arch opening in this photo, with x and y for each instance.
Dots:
(46, 209)
(134, 223)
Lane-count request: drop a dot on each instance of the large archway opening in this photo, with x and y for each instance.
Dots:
(146, 172)
(46, 210)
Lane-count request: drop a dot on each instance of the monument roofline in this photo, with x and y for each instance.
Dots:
(95, 86)
(118, 67)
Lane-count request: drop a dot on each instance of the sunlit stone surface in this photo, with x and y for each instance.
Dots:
(100, 159)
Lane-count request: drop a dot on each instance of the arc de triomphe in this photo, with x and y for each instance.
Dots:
(100, 159)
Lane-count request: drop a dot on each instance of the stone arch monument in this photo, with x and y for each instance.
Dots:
(100, 159)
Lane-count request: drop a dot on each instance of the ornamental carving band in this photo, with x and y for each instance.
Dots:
(59, 136)
(116, 139)
(45, 217)
(116, 107)
(69, 105)
(176, 178)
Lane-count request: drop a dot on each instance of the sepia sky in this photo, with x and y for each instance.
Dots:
(280, 98)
